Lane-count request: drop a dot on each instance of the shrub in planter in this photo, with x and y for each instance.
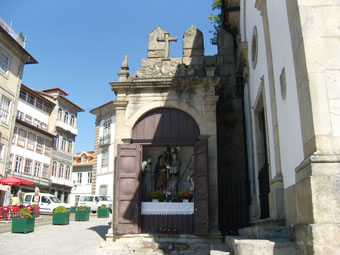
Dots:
(82, 214)
(60, 216)
(24, 222)
(35, 210)
(103, 212)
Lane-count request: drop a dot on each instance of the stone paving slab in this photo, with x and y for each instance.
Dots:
(79, 237)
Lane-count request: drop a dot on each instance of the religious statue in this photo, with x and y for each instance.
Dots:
(173, 170)
(161, 172)
(147, 178)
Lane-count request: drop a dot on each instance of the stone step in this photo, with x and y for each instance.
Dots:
(243, 246)
(219, 249)
(266, 232)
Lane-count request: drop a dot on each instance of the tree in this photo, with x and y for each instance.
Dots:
(215, 19)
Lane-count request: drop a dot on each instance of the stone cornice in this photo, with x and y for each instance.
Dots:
(165, 83)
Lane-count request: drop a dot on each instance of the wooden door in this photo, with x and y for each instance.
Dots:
(201, 189)
(127, 191)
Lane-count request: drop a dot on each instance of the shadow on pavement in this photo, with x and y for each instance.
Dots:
(101, 229)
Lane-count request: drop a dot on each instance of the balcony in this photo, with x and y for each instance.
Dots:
(61, 181)
(18, 37)
(37, 180)
(105, 140)
(66, 127)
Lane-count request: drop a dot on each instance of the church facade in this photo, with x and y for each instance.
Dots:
(288, 61)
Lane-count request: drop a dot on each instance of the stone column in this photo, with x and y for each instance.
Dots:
(95, 157)
(210, 113)
(314, 28)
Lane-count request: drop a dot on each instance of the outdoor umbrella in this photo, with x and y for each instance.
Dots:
(14, 181)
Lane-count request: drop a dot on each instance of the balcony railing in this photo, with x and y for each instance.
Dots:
(36, 179)
(106, 139)
(18, 37)
(66, 127)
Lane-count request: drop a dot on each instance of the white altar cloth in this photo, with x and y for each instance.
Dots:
(164, 208)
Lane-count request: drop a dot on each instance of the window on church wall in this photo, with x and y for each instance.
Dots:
(63, 144)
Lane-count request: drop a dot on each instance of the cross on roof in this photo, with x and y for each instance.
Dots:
(167, 39)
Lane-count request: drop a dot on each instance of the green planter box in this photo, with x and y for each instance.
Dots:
(103, 212)
(73, 209)
(61, 218)
(82, 215)
(23, 225)
(88, 209)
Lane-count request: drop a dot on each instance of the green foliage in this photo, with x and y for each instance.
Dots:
(24, 213)
(156, 194)
(81, 208)
(60, 209)
(215, 19)
(103, 206)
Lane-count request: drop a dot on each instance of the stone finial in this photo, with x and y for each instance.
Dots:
(125, 65)
(193, 42)
(124, 74)
(159, 43)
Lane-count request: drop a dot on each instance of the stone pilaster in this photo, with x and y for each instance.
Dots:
(318, 207)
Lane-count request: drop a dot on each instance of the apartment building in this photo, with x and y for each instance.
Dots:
(103, 165)
(63, 122)
(81, 175)
(13, 58)
(31, 151)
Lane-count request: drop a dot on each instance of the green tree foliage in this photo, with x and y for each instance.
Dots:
(215, 19)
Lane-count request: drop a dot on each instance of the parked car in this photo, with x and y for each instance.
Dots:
(47, 202)
(95, 201)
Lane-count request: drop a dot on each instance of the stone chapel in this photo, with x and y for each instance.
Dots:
(166, 136)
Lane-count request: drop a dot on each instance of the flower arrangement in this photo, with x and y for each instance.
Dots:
(24, 213)
(81, 208)
(156, 194)
(185, 195)
(103, 206)
(60, 209)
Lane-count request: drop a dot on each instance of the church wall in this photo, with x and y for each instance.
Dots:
(286, 94)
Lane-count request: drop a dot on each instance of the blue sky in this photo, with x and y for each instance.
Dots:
(80, 44)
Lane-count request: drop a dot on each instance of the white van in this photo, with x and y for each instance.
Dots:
(47, 202)
(95, 201)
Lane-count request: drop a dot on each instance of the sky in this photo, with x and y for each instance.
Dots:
(80, 44)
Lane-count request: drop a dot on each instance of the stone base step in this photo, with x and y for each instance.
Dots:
(164, 244)
(266, 232)
(243, 246)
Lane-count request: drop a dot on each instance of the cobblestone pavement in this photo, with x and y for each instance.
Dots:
(79, 237)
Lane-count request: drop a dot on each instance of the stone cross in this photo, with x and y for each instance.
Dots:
(167, 39)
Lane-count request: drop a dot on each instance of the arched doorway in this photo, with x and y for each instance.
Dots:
(165, 153)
